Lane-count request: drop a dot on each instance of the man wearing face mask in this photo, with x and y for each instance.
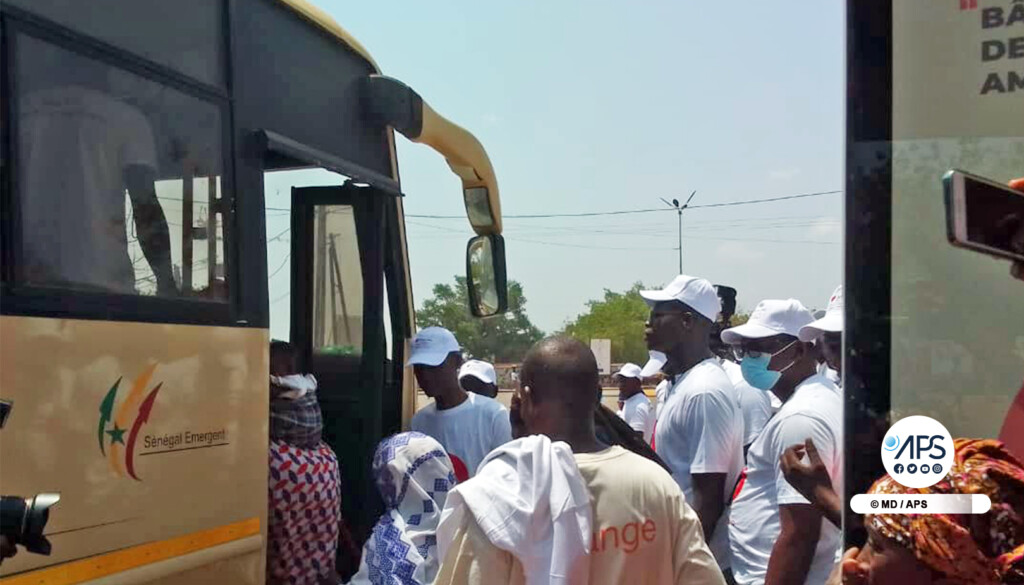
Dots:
(699, 433)
(776, 535)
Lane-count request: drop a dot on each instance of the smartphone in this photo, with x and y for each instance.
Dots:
(984, 216)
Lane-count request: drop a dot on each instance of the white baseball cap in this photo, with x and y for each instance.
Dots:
(832, 322)
(696, 293)
(480, 370)
(629, 371)
(431, 347)
(770, 318)
(655, 362)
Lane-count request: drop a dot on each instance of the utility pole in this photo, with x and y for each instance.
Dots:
(679, 213)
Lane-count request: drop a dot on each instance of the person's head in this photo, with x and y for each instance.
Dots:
(558, 387)
(948, 548)
(768, 346)
(727, 296)
(283, 359)
(827, 331)
(478, 377)
(681, 316)
(413, 468)
(629, 381)
(436, 359)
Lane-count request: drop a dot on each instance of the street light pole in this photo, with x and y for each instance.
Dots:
(679, 214)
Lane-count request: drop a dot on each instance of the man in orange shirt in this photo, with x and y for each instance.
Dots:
(641, 530)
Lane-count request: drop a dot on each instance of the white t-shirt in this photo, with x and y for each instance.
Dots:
(814, 411)
(660, 391)
(701, 431)
(76, 145)
(468, 432)
(636, 411)
(755, 404)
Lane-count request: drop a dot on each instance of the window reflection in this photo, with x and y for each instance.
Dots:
(118, 180)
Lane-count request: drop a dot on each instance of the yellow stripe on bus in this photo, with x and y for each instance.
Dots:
(136, 556)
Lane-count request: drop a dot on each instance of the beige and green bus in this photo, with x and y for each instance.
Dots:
(162, 162)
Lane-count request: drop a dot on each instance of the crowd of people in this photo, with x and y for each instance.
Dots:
(732, 475)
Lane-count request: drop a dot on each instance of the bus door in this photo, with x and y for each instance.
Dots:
(337, 324)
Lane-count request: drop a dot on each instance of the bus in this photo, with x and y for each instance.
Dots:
(161, 163)
(931, 329)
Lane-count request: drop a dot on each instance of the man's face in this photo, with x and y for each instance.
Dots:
(628, 386)
(783, 356)
(666, 326)
(477, 386)
(433, 379)
(832, 349)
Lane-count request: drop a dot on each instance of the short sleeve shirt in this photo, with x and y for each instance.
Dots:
(814, 411)
(468, 432)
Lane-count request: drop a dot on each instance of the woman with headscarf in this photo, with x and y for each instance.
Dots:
(304, 513)
(414, 474)
(969, 549)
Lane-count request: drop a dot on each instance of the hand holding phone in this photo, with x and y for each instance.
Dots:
(985, 216)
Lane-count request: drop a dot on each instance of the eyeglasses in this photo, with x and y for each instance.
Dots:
(741, 352)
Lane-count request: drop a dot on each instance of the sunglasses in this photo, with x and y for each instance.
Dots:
(741, 352)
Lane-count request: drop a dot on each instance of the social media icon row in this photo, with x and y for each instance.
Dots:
(915, 468)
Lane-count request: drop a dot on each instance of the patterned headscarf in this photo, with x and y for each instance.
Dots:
(413, 473)
(982, 549)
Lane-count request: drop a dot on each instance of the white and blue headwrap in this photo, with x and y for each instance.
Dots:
(414, 474)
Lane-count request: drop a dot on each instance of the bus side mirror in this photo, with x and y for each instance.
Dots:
(485, 275)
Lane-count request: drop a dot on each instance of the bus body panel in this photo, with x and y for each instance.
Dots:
(149, 432)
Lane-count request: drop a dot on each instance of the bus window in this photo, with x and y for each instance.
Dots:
(337, 282)
(118, 180)
(277, 194)
(192, 46)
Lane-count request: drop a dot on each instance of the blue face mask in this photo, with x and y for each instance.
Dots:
(755, 369)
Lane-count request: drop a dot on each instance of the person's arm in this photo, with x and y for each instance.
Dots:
(811, 479)
(800, 520)
(151, 226)
(793, 552)
(693, 562)
(709, 499)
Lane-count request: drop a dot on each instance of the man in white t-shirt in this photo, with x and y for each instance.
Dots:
(81, 150)
(468, 425)
(634, 406)
(699, 433)
(776, 535)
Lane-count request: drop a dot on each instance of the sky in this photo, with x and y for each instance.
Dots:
(602, 106)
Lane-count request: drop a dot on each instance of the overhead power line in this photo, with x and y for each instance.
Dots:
(636, 211)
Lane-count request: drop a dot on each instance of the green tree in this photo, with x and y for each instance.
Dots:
(619, 317)
(501, 338)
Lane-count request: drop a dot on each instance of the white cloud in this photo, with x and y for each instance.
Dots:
(740, 251)
(783, 174)
(827, 230)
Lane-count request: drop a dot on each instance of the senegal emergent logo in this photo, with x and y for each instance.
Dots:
(917, 451)
(112, 429)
